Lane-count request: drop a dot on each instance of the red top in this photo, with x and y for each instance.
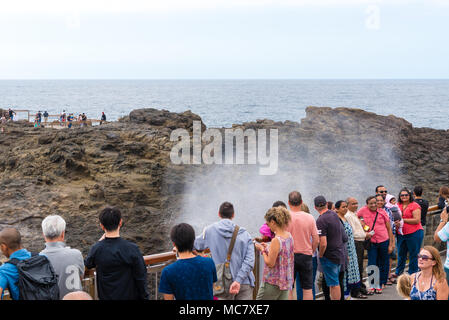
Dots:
(408, 214)
(380, 228)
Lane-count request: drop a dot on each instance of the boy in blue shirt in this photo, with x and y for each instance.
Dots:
(191, 277)
(11, 247)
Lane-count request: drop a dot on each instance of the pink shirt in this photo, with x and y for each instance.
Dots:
(380, 228)
(302, 227)
(408, 214)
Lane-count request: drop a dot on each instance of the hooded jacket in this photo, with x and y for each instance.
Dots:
(217, 237)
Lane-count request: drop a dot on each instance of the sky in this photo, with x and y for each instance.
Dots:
(224, 39)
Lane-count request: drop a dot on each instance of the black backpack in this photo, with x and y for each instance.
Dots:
(37, 278)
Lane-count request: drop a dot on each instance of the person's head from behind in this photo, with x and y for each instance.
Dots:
(110, 219)
(294, 199)
(404, 286)
(10, 241)
(444, 192)
(226, 211)
(330, 205)
(279, 203)
(429, 258)
(277, 218)
(320, 204)
(77, 295)
(417, 191)
(183, 236)
(53, 228)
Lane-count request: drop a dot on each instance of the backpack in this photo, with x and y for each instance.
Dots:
(37, 278)
(224, 276)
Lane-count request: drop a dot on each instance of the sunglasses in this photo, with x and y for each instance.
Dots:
(382, 191)
(404, 195)
(424, 257)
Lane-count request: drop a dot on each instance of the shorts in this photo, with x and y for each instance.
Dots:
(331, 271)
(271, 292)
(304, 269)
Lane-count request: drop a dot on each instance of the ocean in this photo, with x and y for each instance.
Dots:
(221, 103)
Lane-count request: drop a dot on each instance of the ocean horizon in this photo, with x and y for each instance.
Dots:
(223, 102)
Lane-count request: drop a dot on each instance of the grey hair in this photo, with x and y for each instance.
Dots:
(53, 226)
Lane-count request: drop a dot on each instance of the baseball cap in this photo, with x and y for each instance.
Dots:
(320, 201)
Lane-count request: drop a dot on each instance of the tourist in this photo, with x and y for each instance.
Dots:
(120, 268)
(45, 116)
(70, 120)
(11, 247)
(83, 120)
(442, 234)
(77, 295)
(352, 280)
(404, 286)
(68, 263)
(303, 229)
(331, 246)
(217, 238)
(443, 197)
(430, 282)
(191, 277)
(331, 206)
(39, 118)
(424, 204)
(359, 238)
(103, 118)
(265, 230)
(11, 114)
(381, 241)
(412, 237)
(278, 257)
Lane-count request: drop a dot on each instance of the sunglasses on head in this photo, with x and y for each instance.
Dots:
(424, 257)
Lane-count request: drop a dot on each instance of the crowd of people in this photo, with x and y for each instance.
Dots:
(293, 246)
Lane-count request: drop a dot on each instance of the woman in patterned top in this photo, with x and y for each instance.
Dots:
(429, 283)
(278, 257)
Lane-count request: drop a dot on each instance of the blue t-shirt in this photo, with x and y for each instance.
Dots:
(189, 279)
(9, 274)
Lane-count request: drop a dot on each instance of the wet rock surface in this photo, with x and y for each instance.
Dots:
(76, 172)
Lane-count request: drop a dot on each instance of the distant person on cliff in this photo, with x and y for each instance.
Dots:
(11, 114)
(11, 247)
(192, 276)
(67, 262)
(217, 238)
(45, 116)
(103, 118)
(424, 204)
(278, 257)
(121, 270)
(411, 240)
(303, 229)
(39, 118)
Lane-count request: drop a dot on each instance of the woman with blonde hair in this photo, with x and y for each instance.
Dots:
(278, 257)
(429, 283)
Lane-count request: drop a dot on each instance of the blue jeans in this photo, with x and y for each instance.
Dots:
(378, 256)
(298, 283)
(411, 244)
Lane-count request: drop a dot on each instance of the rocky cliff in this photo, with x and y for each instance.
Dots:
(75, 172)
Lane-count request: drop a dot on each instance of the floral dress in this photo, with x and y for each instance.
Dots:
(352, 275)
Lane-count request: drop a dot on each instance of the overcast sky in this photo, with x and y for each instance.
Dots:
(216, 39)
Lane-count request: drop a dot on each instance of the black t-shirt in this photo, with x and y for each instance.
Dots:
(424, 204)
(329, 225)
(121, 270)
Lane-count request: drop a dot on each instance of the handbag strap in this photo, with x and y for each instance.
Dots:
(374, 223)
(231, 245)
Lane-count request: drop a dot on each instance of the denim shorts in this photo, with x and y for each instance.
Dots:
(330, 271)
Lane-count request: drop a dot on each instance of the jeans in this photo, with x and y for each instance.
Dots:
(298, 283)
(411, 244)
(378, 256)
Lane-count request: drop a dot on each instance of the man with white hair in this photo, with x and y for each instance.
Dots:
(68, 263)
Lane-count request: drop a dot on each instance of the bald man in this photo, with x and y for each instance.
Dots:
(11, 247)
(77, 295)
